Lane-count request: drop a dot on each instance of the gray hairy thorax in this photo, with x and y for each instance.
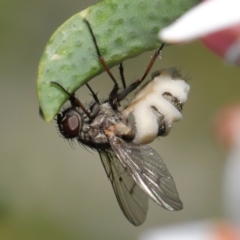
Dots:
(93, 132)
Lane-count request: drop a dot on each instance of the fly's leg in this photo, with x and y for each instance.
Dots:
(121, 71)
(74, 101)
(135, 84)
(113, 94)
(95, 107)
(94, 95)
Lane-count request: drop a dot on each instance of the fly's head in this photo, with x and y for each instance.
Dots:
(71, 120)
(70, 123)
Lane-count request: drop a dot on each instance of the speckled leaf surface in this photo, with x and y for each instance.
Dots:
(123, 29)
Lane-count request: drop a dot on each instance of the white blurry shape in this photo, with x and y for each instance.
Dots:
(186, 231)
(233, 52)
(207, 17)
(231, 181)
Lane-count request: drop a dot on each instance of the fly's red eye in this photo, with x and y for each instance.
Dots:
(70, 125)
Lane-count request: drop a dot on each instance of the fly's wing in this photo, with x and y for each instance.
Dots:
(149, 171)
(131, 198)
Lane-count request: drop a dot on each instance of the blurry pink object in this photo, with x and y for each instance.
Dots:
(226, 43)
(216, 22)
(227, 126)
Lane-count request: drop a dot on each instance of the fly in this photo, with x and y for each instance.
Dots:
(136, 171)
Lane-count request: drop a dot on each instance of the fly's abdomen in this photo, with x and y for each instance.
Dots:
(157, 105)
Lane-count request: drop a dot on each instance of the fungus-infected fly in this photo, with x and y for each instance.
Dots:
(135, 170)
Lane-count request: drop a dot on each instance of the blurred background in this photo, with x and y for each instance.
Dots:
(49, 190)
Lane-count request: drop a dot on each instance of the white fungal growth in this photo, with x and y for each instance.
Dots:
(149, 104)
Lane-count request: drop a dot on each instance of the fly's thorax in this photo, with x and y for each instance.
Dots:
(157, 105)
(97, 131)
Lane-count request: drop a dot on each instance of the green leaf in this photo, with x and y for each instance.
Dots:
(123, 29)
